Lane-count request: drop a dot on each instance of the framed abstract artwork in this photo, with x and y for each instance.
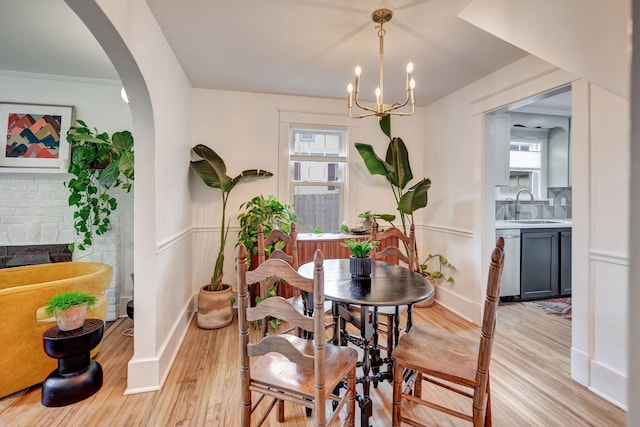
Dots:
(35, 136)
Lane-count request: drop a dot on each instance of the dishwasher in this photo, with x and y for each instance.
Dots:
(510, 281)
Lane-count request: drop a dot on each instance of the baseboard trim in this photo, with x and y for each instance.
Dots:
(150, 374)
(609, 384)
(580, 366)
(461, 306)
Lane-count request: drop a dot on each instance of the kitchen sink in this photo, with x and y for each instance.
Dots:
(535, 221)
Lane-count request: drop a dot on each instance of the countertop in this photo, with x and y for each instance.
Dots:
(528, 223)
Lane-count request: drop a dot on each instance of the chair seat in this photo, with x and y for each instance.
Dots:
(275, 370)
(438, 353)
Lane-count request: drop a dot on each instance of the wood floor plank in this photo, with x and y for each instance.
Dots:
(530, 380)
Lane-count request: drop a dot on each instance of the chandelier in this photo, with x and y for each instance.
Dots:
(381, 16)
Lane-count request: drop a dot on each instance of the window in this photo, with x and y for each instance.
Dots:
(527, 164)
(525, 159)
(317, 176)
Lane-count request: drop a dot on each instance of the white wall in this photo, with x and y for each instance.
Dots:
(599, 248)
(159, 97)
(243, 128)
(585, 37)
(607, 343)
(590, 39)
(98, 102)
(633, 414)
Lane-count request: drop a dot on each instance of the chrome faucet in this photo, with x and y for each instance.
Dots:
(524, 190)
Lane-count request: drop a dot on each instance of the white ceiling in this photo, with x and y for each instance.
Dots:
(45, 36)
(311, 47)
(297, 47)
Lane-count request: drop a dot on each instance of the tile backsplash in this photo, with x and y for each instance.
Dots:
(557, 205)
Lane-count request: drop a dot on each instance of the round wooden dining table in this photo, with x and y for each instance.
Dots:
(390, 285)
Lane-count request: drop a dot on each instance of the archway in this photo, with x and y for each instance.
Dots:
(141, 110)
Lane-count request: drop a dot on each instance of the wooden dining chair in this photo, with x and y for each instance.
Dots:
(449, 361)
(285, 367)
(405, 252)
(290, 256)
(290, 240)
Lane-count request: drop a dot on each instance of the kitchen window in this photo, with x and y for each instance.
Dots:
(527, 164)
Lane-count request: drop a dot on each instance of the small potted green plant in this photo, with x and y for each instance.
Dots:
(360, 260)
(369, 218)
(70, 309)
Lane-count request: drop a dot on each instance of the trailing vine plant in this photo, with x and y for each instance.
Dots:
(99, 162)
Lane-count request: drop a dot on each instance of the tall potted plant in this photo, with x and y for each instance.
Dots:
(397, 170)
(211, 169)
(98, 162)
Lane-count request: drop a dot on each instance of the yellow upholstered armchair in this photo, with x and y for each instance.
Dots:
(24, 291)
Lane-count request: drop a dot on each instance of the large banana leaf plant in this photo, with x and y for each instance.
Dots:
(213, 172)
(397, 170)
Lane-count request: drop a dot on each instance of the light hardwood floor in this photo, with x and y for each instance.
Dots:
(530, 381)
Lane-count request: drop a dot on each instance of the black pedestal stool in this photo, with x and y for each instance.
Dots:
(77, 376)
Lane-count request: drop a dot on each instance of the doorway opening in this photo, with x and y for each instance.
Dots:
(533, 194)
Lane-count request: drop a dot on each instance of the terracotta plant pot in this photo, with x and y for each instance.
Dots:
(72, 318)
(215, 309)
(360, 268)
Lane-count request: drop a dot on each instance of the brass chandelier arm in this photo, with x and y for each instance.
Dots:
(389, 111)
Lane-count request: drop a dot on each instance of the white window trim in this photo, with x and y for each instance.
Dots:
(292, 119)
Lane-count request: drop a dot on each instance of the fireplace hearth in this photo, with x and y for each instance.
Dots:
(16, 256)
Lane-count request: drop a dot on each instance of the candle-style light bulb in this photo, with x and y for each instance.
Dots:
(409, 71)
(358, 71)
(350, 99)
(412, 85)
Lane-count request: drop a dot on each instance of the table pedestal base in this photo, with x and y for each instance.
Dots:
(64, 389)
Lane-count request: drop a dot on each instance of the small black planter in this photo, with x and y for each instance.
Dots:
(360, 268)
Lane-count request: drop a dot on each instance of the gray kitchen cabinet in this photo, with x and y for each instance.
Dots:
(565, 263)
(544, 266)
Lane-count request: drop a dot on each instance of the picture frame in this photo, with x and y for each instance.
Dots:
(35, 137)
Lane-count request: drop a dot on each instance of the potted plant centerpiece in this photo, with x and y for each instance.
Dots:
(360, 261)
(70, 309)
(215, 308)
